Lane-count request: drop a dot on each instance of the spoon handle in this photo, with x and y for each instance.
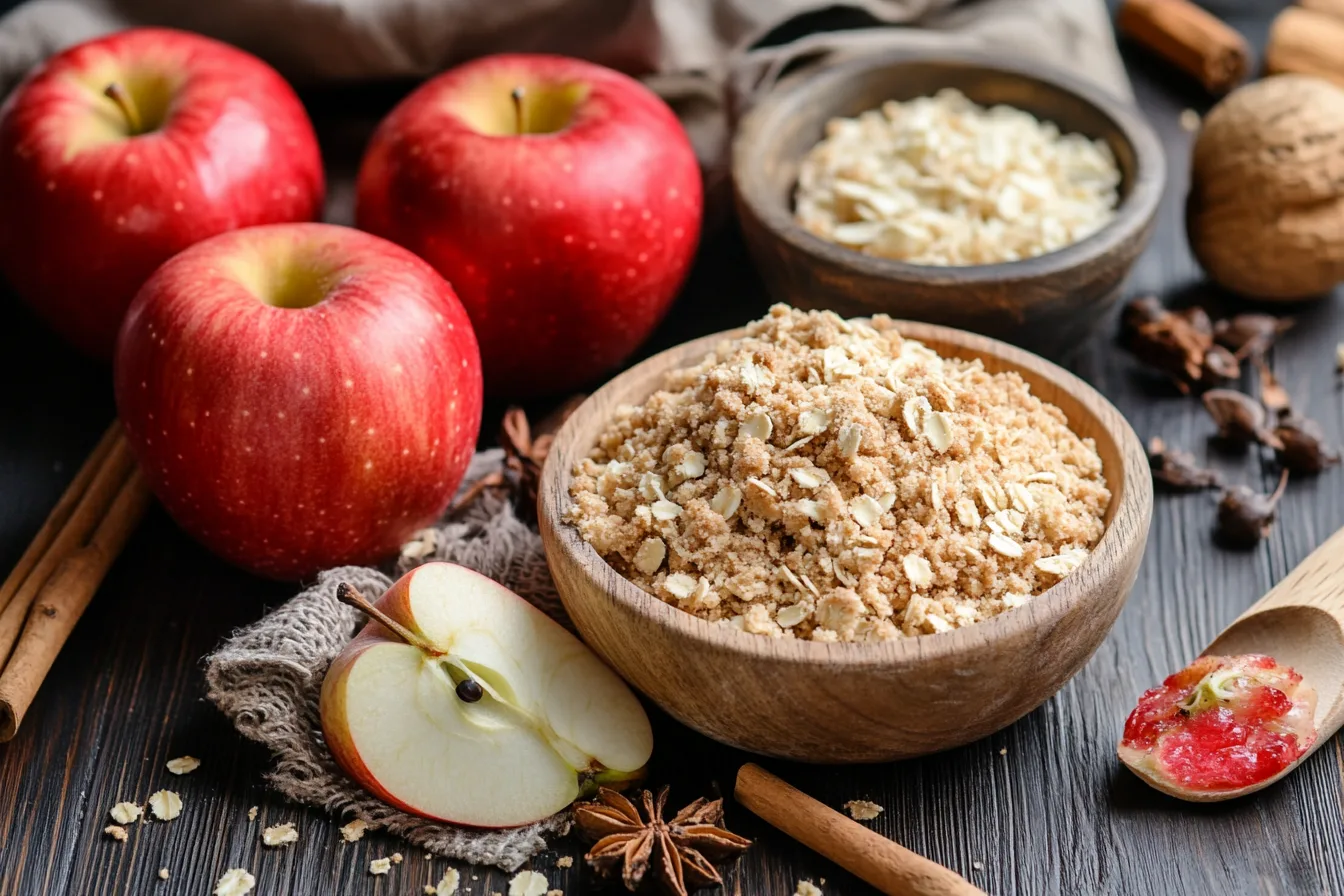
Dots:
(1317, 582)
(1300, 622)
(885, 864)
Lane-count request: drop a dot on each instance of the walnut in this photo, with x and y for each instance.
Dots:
(1265, 213)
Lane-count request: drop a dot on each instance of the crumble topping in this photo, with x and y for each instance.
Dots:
(828, 479)
(863, 810)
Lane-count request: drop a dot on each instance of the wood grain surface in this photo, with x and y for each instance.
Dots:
(821, 702)
(1041, 808)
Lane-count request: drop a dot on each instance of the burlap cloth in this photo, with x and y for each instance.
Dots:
(711, 59)
(267, 678)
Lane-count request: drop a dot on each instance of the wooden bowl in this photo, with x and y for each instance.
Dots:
(856, 702)
(1049, 303)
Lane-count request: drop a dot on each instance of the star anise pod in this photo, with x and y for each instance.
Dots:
(671, 857)
(524, 455)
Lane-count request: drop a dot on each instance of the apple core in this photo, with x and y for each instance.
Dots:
(142, 102)
(503, 108)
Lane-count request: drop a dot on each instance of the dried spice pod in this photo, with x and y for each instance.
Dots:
(1220, 365)
(1176, 469)
(1250, 335)
(1245, 516)
(1302, 447)
(674, 857)
(1265, 212)
(1272, 394)
(1240, 418)
(1172, 343)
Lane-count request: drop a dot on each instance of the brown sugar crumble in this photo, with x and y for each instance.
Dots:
(828, 479)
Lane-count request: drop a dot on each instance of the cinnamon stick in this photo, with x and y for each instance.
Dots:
(111, 472)
(62, 600)
(887, 865)
(1306, 42)
(1193, 40)
(57, 518)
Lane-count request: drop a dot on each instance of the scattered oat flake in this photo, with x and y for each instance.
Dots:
(380, 866)
(183, 765)
(1003, 752)
(280, 834)
(862, 810)
(165, 805)
(116, 832)
(806, 888)
(1189, 120)
(163, 874)
(397, 858)
(126, 813)
(252, 814)
(447, 884)
(235, 882)
(354, 830)
(978, 866)
(528, 883)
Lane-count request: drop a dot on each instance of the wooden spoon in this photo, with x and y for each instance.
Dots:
(1300, 623)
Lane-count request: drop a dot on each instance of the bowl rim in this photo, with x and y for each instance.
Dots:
(1132, 510)
(1132, 215)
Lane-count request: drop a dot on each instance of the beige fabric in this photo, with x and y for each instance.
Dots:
(705, 56)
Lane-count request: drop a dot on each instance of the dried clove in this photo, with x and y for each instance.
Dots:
(1272, 394)
(1177, 470)
(1302, 447)
(1219, 364)
(1179, 344)
(1240, 418)
(1245, 516)
(1250, 335)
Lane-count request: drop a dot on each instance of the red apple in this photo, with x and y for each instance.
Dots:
(118, 153)
(561, 199)
(299, 396)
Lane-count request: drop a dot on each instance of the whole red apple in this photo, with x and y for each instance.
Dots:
(561, 199)
(299, 396)
(118, 153)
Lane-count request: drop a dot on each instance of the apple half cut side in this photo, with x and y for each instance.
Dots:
(462, 702)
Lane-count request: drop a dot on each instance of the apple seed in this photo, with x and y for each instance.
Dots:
(469, 690)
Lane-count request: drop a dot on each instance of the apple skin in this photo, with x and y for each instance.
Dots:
(91, 211)
(566, 247)
(292, 439)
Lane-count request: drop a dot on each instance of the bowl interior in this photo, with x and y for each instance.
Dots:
(796, 123)
(1089, 415)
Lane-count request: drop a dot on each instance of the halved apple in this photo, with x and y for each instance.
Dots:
(460, 701)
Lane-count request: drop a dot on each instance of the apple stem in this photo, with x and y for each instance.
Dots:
(517, 95)
(119, 95)
(350, 597)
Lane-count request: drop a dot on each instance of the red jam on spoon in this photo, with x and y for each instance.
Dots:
(1222, 723)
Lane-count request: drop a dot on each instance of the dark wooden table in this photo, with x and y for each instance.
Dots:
(1042, 807)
